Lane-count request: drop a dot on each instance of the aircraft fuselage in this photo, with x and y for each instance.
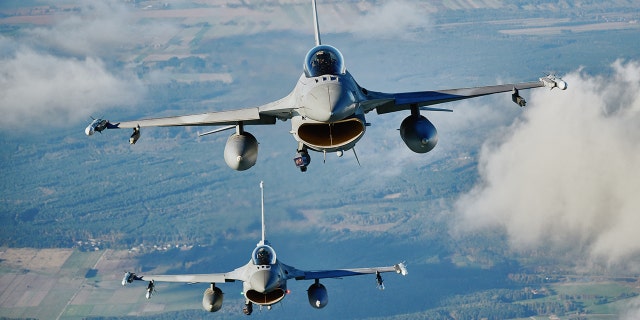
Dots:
(267, 284)
(329, 117)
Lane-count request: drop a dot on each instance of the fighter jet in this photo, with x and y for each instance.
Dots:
(327, 109)
(264, 278)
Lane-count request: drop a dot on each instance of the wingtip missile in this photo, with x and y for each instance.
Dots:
(401, 268)
(97, 125)
(129, 277)
(552, 81)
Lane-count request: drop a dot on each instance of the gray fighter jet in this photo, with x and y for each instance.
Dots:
(327, 110)
(264, 278)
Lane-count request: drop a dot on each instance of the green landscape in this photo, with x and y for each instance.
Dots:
(76, 212)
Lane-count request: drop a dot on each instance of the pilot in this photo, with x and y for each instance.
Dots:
(322, 62)
(263, 256)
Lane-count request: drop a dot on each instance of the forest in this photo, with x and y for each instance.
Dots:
(171, 202)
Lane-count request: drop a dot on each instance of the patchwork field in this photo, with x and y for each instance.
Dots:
(64, 282)
(170, 190)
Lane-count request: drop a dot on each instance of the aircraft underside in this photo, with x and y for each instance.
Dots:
(265, 299)
(337, 137)
(331, 137)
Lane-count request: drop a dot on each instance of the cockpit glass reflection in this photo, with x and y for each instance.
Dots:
(263, 255)
(324, 60)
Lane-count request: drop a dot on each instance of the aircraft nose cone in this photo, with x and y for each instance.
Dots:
(261, 280)
(89, 130)
(326, 102)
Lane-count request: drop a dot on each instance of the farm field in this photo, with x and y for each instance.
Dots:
(76, 212)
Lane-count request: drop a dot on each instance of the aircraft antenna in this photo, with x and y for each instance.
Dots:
(315, 23)
(262, 206)
(355, 154)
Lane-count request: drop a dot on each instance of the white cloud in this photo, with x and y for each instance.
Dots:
(389, 20)
(566, 175)
(98, 29)
(631, 310)
(58, 74)
(43, 89)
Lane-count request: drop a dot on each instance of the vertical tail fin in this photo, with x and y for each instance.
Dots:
(264, 241)
(315, 23)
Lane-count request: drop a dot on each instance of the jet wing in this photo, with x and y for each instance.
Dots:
(189, 278)
(232, 276)
(264, 114)
(339, 273)
(391, 102)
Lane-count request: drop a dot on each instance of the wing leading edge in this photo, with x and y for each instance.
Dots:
(399, 268)
(264, 114)
(197, 278)
(189, 278)
(392, 102)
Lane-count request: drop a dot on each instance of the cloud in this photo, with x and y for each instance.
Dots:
(103, 29)
(390, 20)
(631, 310)
(92, 29)
(566, 174)
(58, 74)
(42, 89)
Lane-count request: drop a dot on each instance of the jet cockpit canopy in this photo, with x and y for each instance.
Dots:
(263, 255)
(323, 60)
